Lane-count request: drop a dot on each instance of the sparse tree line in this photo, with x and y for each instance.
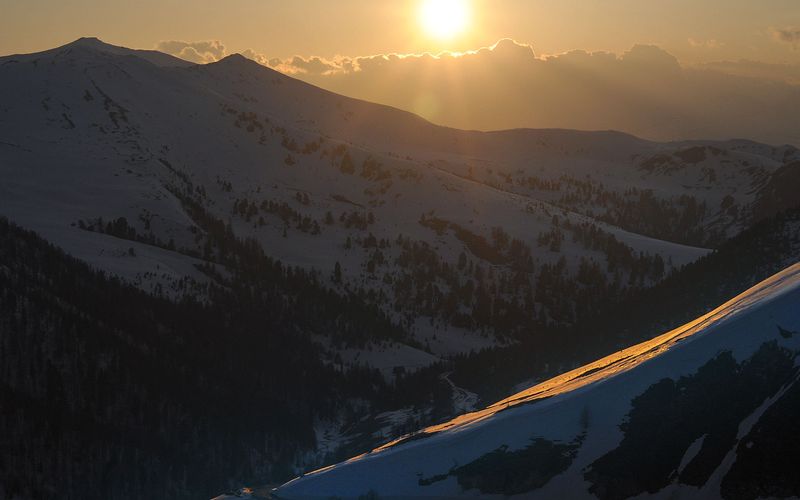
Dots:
(496, 284)
(679, 218)
(120, 228)
(340, 156)
(683, 295)
(250, 211)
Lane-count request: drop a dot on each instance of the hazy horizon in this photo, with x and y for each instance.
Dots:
(680, 70)
(644, 91)
(695, 32)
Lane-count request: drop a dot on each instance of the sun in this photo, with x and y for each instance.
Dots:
(444, 19)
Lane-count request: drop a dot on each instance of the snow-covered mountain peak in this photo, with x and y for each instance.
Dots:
(93, 42)
(237, 60)
(94, 47)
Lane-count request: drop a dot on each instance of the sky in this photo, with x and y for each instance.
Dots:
(695, 31)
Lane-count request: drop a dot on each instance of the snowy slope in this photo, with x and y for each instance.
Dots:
(91, 131)
(608, 425)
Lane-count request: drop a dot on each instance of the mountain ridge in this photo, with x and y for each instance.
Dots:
(271, 145)
(97, 45)
(442, 444)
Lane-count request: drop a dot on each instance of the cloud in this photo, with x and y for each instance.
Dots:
(315, 66)
(255, 56)
(202, 52)
(319, 66)
(785, 73)
(646, 57)
(705, 44)
(645, 90)
(207, 51)
(786, 35)
(506, 52)
(508, 48)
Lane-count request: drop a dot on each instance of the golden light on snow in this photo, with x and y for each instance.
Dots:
(444, 19)
(624, 360)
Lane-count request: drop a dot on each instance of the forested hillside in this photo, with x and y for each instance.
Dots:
(746, 259)
(109, 392)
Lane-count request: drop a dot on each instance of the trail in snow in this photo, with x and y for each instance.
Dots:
(463, 400)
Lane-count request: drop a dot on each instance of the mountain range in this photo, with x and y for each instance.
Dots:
(346, 267)
(645, 90)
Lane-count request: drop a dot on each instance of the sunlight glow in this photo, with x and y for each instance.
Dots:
(444, 19)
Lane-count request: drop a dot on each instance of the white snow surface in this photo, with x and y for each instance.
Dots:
(552, 409)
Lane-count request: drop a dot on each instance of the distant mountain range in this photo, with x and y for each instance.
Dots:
(644, 91)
